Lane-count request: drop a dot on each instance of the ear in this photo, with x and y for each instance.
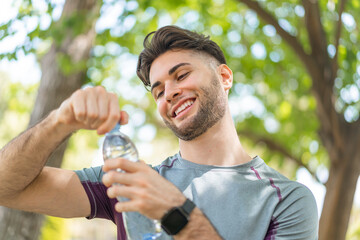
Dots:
(226, 76)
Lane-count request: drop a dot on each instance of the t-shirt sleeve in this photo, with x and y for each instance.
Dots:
(101, 205)
(296, 217)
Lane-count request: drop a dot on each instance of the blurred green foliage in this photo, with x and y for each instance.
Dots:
(271, 96)
(54, 229)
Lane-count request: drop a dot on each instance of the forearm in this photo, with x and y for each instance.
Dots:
(199, 228)
(23, 158)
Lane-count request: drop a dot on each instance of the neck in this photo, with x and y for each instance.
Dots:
(218, 146)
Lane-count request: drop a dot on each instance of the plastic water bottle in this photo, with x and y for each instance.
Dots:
(138, 227)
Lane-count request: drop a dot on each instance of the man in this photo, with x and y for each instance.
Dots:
(211, 189)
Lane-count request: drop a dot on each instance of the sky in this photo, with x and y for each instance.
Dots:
(27, 71)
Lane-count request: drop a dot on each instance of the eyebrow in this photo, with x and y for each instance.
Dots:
(171, 71)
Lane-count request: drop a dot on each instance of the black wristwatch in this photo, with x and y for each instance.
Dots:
(177, 218)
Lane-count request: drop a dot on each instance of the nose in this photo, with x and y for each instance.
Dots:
(172, 90)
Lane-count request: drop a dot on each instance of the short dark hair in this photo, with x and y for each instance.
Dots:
(169, 38)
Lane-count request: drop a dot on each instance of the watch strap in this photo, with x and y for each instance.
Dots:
(188, 206)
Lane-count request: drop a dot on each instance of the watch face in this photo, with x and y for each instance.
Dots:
(174, 222)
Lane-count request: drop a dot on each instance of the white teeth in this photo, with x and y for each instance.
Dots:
(183, 106)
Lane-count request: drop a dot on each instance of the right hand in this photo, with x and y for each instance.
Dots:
(91, 108)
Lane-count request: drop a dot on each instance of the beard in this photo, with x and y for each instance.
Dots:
(212, 108)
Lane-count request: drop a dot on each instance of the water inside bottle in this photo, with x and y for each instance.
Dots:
(124, 151)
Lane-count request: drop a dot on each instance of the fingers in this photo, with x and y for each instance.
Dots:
(131, 173)
(102, 104)
(116, 177)
(117, 190)
(127, 206)
(123, 164)
(112, 119)
(124, 118)
(147, 192)
(137, 198)
(93, 108)
(113, 114)
(79, 106)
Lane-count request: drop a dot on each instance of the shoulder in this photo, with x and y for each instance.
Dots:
(299, 195)
(292, 194)
(297, 213)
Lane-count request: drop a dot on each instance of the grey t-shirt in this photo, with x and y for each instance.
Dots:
(247, 201)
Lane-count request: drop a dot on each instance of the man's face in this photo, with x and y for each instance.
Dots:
(188, 92)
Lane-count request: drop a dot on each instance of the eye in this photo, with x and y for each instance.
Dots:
(159, 94)
(182, 76)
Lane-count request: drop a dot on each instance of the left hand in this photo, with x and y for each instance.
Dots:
(148, 192)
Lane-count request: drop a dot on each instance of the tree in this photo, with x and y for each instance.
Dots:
(338, 135)
(73, 36)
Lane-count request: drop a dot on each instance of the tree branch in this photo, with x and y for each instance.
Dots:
(323, 83)
(335, 65)
(314, 27)
(318, 43)
(274, 146)
(289, 39)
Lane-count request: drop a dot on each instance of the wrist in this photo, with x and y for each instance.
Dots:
(198, 228)
(58, 125)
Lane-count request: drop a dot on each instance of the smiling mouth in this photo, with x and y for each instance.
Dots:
(183, 107)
